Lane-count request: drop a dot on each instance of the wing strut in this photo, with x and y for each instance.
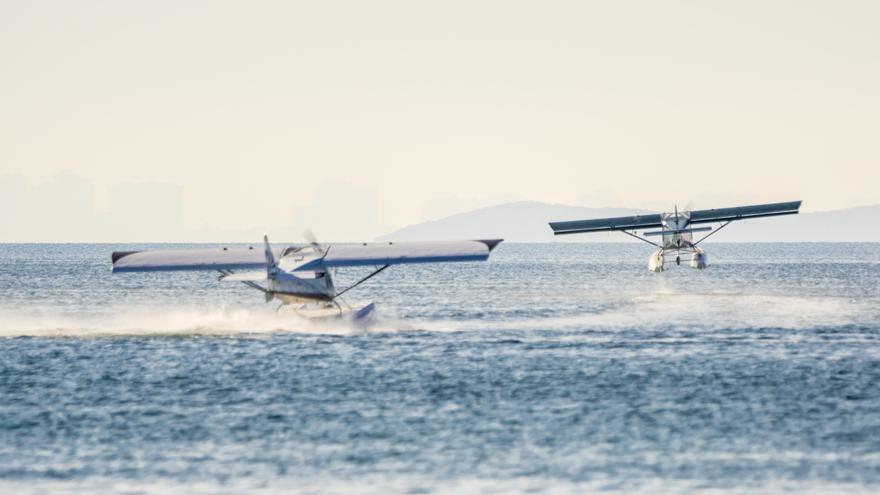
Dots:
(359, 282)
(250, 284)
(641, 238)
(725, 224)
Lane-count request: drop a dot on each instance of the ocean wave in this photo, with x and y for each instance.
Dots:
(652, 312)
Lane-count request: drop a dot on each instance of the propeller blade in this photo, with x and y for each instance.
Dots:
(313, 240)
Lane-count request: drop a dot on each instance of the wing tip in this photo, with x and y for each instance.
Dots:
(491, 243)
(118, 255)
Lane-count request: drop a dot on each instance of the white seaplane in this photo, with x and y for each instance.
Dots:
(675, 229)
(303, 275)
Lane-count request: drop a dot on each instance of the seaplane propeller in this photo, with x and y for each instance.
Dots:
(313, 240)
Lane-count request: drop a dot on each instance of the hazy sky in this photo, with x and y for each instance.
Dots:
(223, 119)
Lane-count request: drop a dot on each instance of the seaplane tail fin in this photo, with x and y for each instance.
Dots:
(270, 258)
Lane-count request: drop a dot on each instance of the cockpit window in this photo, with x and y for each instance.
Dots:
(290, 250)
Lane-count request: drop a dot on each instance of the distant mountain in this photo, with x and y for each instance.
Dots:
(526, 221)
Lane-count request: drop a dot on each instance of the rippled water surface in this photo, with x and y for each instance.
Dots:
(550, 369)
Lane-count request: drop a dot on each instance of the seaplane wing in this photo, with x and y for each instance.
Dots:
(303, 274)
(249, 258)
(676, 233)
(744, 212)
(606, 224)
(640, 222)
(392, 253)
(335, 255)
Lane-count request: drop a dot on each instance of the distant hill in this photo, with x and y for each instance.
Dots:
(526, 221)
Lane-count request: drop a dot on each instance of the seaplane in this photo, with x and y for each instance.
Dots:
(676, 231)
(303, 277)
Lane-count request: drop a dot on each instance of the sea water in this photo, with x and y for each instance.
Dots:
(553, 368)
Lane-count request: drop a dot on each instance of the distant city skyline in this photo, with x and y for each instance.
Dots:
(119, 215)
(199, 120)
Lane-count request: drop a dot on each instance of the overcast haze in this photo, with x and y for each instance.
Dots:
(169, 120)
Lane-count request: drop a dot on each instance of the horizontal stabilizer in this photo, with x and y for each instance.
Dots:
(255, 276)
(679, 231)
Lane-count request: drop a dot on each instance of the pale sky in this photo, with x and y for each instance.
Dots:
(166, 120)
